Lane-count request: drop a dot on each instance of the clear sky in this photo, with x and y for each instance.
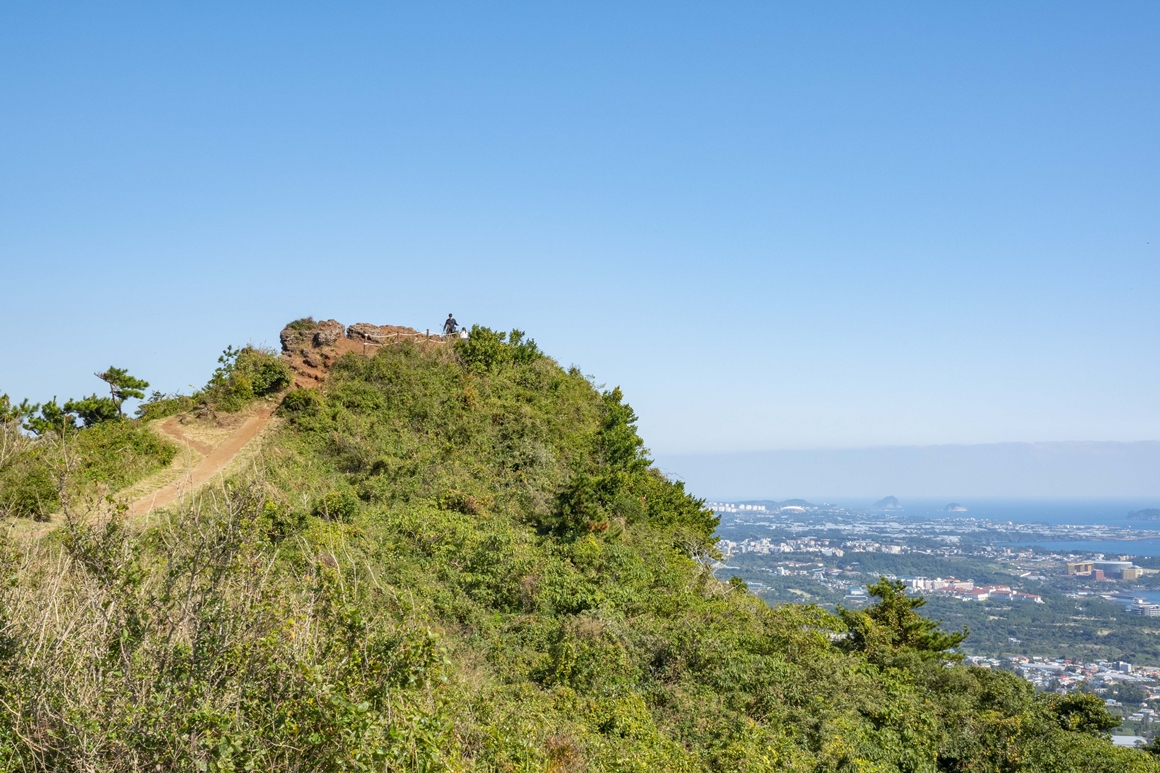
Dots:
(776, 227)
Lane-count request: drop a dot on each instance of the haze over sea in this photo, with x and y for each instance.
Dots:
(1078, 512)
(1081, 512)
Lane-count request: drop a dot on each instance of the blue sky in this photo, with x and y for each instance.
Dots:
(821, 226)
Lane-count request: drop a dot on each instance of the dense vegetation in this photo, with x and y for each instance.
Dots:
(464, 560)
(242, 375)
(87, 446)
(45, 456)
(1087, 628)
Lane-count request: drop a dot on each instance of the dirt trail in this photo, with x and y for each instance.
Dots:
(169, 427)
(214, 462)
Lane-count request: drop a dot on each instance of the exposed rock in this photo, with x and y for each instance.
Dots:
(328, 332)
(307, 333)
(363, 331)
(291, 338)
(311, 348)
(382, 334)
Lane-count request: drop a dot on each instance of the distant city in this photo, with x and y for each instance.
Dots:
(1061, 617)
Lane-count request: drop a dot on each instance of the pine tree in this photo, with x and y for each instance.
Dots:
(122, 386)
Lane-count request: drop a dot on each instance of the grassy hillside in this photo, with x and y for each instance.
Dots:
(36, 471)
(462, 560)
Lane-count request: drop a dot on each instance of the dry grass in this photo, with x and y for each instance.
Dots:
(248, 460)
(212, 429)
(186, 459)
(100, 626)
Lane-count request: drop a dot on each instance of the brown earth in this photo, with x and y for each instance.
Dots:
(311, 349)
(170, 427)
(215, 461)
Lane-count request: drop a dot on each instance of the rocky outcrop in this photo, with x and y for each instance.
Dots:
(311, 348)
(384, 334)
(363, 331)
(291, 339)
(306, 333)
(328, 332)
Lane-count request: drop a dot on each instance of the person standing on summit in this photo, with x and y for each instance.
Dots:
(450, 326)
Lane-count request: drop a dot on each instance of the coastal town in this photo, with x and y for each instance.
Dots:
(1027, 604)
(1130, 692)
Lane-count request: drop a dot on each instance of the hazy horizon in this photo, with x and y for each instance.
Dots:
(1057, 470)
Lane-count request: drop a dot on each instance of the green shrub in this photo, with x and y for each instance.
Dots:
(160, 405)
(578, 509)
(463, 503)
(27, 487)
(305, 323)
(243, 375)
(488, 348)
(266, 372)
(281, 521)
(337, 506)
(118, 453)
(1083, 713)
(300, 403)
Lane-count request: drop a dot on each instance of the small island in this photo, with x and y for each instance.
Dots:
(887, 503)
(1148, 514)
(954, 507)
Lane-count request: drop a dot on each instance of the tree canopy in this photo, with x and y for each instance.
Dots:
(123, 386)
(893, 625)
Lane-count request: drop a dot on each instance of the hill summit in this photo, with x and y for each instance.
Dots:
(457, 555)
(311, 348)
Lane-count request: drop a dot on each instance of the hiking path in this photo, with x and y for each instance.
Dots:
(214, 460)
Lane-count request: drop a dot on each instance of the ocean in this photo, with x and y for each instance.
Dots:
(1111, 548)
(1078, 512)
(1107, 512)
(1151, 596)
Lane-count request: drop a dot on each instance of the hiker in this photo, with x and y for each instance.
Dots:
(450, 326)
(463, 333)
